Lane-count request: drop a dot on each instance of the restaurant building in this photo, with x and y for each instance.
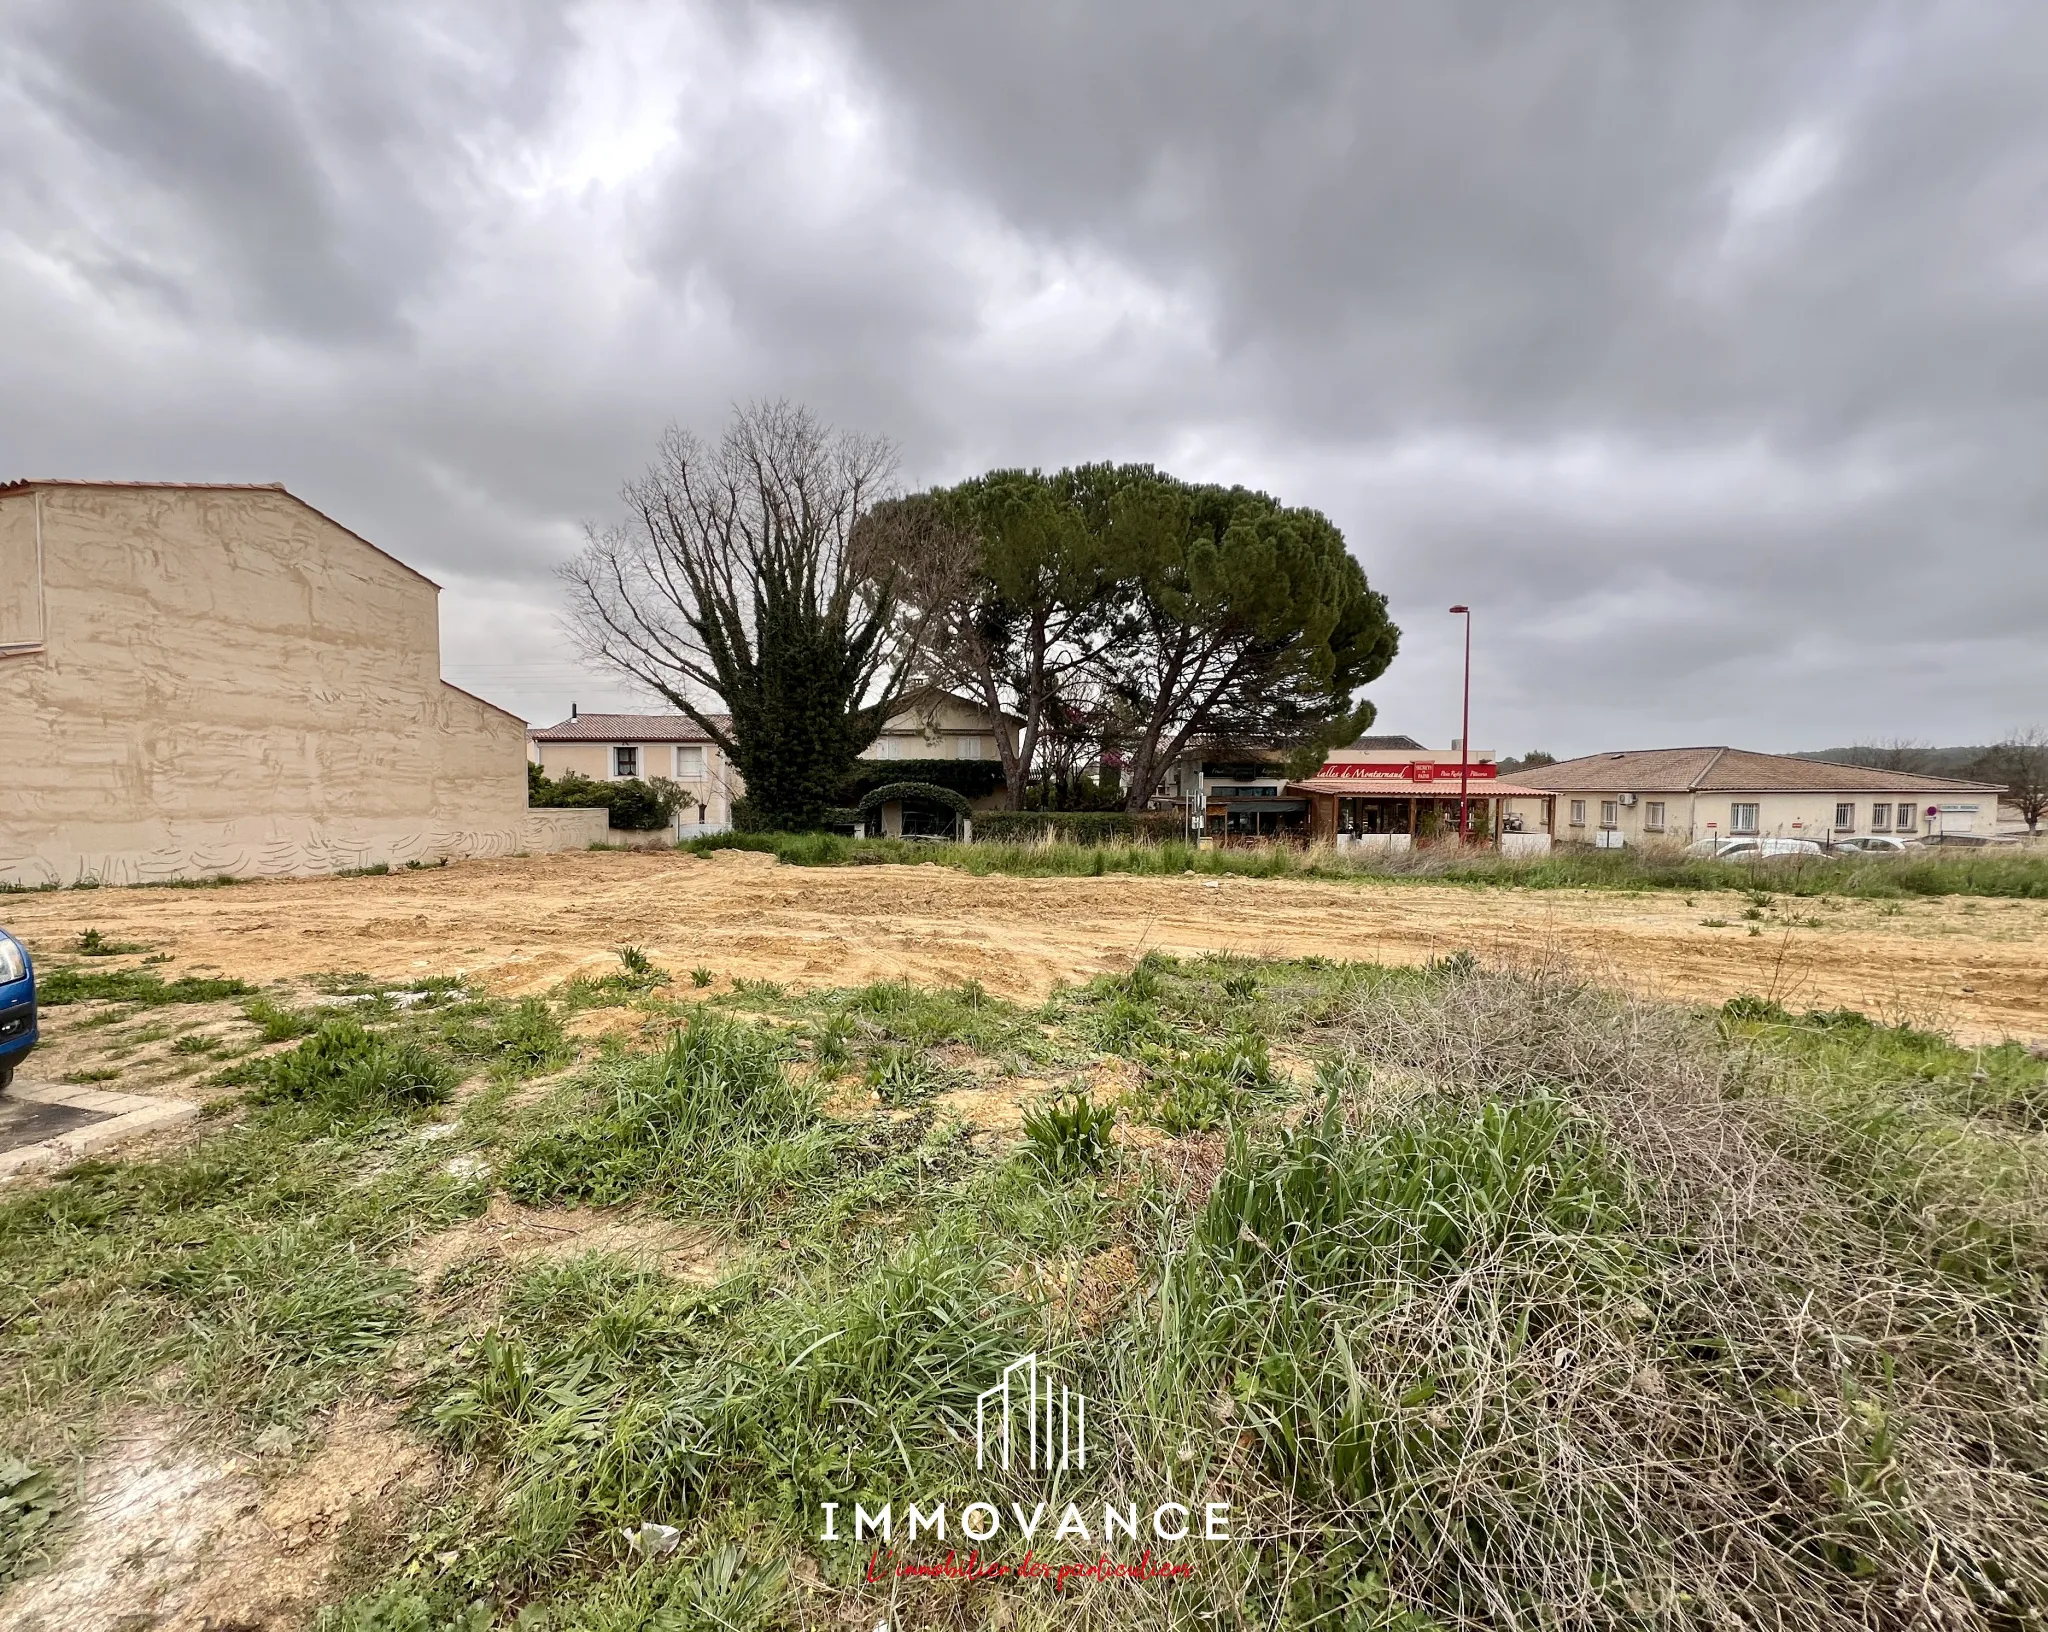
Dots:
(1388, 793)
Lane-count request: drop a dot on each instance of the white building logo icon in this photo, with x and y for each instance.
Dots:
(1050, 1431)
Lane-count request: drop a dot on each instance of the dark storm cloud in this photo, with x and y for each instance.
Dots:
(1701, 348)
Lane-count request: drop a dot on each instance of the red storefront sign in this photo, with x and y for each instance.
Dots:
(1416, 770)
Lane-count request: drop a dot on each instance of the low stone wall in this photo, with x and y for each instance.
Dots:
(116, 853)
(567, 828)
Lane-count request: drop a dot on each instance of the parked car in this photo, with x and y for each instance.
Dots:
(1871, 844)
(17, 1005)
(1754, 849)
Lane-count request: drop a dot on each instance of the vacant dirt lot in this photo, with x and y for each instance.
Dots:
(1976, 968)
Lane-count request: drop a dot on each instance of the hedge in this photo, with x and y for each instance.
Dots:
(631, 804)
(1078, 826)
(970, 778)
(876, 798)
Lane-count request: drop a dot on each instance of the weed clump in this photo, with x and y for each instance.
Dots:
(684, 1119)
(1200, 1089)
(1611, 1324)
(353, 1073)
(1070, 1136)
(518, 1041)
(275, 1023)
(143, 986)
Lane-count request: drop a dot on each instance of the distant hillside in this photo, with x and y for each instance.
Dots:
(1961, 762)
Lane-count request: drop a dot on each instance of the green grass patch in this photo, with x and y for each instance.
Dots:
(1971, 873)
(713, 1116)
(144, 986)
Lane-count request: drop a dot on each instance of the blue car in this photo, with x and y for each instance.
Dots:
(17, 1005)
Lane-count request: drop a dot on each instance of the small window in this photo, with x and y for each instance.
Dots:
(1610, 813)
(1653, 816)
(625, 762)
(967, 747)
(1845, 818)
(1880, 818)
(690, 764)
(1578, 813)
(1742, 818)
(1906, 813)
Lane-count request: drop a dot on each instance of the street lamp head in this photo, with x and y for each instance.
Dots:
(1465, 609)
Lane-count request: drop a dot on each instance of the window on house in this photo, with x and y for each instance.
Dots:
(689, 764)
(625, 761)
(1880, 818)
(1610, 813)
(1653, 815)
(1845, 818)
(967, 747)
(1905, 818)
(1578, 813)
(1742, 818)
(888, 748)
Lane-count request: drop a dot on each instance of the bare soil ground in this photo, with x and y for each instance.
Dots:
(1976, 968)
(172, 1538)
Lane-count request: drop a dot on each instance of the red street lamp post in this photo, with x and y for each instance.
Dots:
(1465, 739)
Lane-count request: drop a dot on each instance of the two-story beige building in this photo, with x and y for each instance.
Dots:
(204, 679)
(610, 747)
(936, 724)
(615, 747)
(1684, 795)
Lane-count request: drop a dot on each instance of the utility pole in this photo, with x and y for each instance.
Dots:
(1465, 740)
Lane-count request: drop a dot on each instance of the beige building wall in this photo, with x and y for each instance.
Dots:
(1779, 815)
(207, 680)
(937, 727)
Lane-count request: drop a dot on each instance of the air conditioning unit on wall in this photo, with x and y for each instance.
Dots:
(1628, 801)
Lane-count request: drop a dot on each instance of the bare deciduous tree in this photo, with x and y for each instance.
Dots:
(1891, 754)
(746, 578)
(2021, 763)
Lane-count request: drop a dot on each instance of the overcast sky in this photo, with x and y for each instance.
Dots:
(1703, 348)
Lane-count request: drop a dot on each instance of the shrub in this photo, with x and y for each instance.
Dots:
(1063, 826)
(970, 778)
(635, 804)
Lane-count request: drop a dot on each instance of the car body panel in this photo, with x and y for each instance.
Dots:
(18, 1034)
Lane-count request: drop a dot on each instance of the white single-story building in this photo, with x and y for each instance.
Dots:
(1681, 795)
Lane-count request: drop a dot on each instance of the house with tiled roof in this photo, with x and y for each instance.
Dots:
(1681, 795)
(614, 747)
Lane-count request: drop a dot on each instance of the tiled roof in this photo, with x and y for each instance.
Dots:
(626, 728)
(1389, 742)
(1728, 770)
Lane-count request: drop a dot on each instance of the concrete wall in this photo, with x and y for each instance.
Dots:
(229, 682)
